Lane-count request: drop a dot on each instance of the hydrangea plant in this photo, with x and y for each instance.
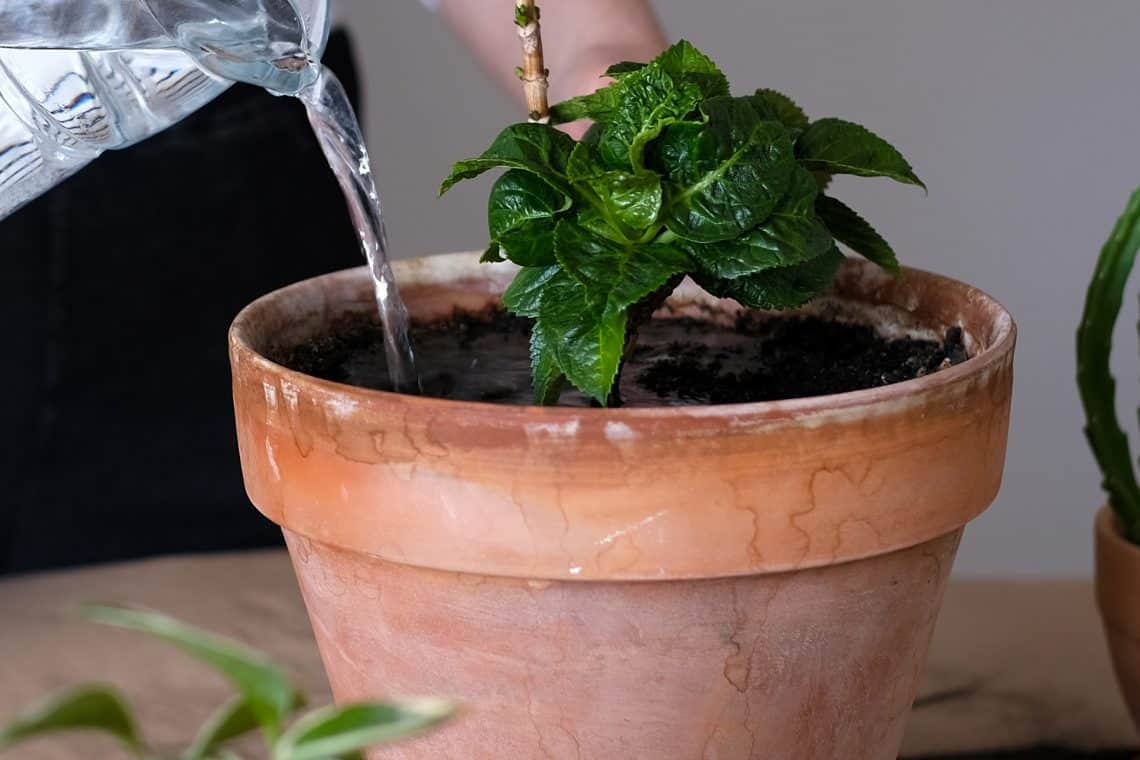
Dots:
(676, 177)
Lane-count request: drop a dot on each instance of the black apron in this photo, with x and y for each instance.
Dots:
(118, 287)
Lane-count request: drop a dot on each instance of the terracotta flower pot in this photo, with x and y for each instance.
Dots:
(756, 580)
(1118, 596)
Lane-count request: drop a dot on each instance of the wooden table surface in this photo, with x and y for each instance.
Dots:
(1014, 664)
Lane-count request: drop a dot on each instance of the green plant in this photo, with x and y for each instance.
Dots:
(675, 177)
(1094, 377)
(265, 699)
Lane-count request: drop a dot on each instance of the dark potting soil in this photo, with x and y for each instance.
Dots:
(677, 361)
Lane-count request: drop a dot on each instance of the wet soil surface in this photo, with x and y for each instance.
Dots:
(677, 361)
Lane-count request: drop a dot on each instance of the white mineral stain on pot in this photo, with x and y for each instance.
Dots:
(270, 394)
(271, 456)
(619, 431)
(609, 539)
(291, 393)
(342, 406)
(567, 429)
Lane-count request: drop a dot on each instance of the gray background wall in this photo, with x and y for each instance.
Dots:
(1021, 115)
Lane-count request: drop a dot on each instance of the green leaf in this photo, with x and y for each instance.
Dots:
(685, 63)
(727, 176)
(583, 311)
(536, 148)
(493, 254)
(264, 686)
(233, 719)
(623, 68)
(621, 273)
(856, 233)
(339, 730)
(841, 147)
(792, 234)
(628, 201)
(593, 135)
(520, 216)
(784, 288)
(89, 707)
(587, 340)
(598, 105)
(650, 98)
(546, 374)
(523, 295)
(776, 106)
(1097, 386)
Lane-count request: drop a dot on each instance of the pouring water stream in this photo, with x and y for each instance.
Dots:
(338, 131)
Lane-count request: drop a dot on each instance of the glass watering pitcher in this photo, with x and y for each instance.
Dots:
(78, 77)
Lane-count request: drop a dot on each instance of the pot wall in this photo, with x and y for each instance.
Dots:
(755, 580)
(822, 663)
(1118, 596)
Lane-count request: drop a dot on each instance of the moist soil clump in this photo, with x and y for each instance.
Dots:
(684, 361)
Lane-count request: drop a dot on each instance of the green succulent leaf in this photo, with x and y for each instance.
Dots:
(784, 288)
(1097, 386)
(547, 375)
(776, 106)
(841, 147)
(268, 692)
(726, 176)
(628, 201)
(792, 234)
(535, 148)
(344, 730)
(93, 707)
(660, 93)
(521, 213)
(524, 294)
(856, 233)
(598, 105)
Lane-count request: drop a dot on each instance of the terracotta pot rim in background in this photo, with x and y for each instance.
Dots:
(1118, 598)
(657, 493)
(1118, 574)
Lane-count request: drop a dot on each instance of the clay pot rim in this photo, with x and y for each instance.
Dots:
(1117, 576)
(1001, 343)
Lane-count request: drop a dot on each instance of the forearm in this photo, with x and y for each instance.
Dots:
(580, 39)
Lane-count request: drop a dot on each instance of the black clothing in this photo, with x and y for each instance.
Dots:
(118, 288)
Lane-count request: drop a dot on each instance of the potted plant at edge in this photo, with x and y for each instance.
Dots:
(743, 580)
(1117, 533)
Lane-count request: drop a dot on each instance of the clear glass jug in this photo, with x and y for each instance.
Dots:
(78, 77)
